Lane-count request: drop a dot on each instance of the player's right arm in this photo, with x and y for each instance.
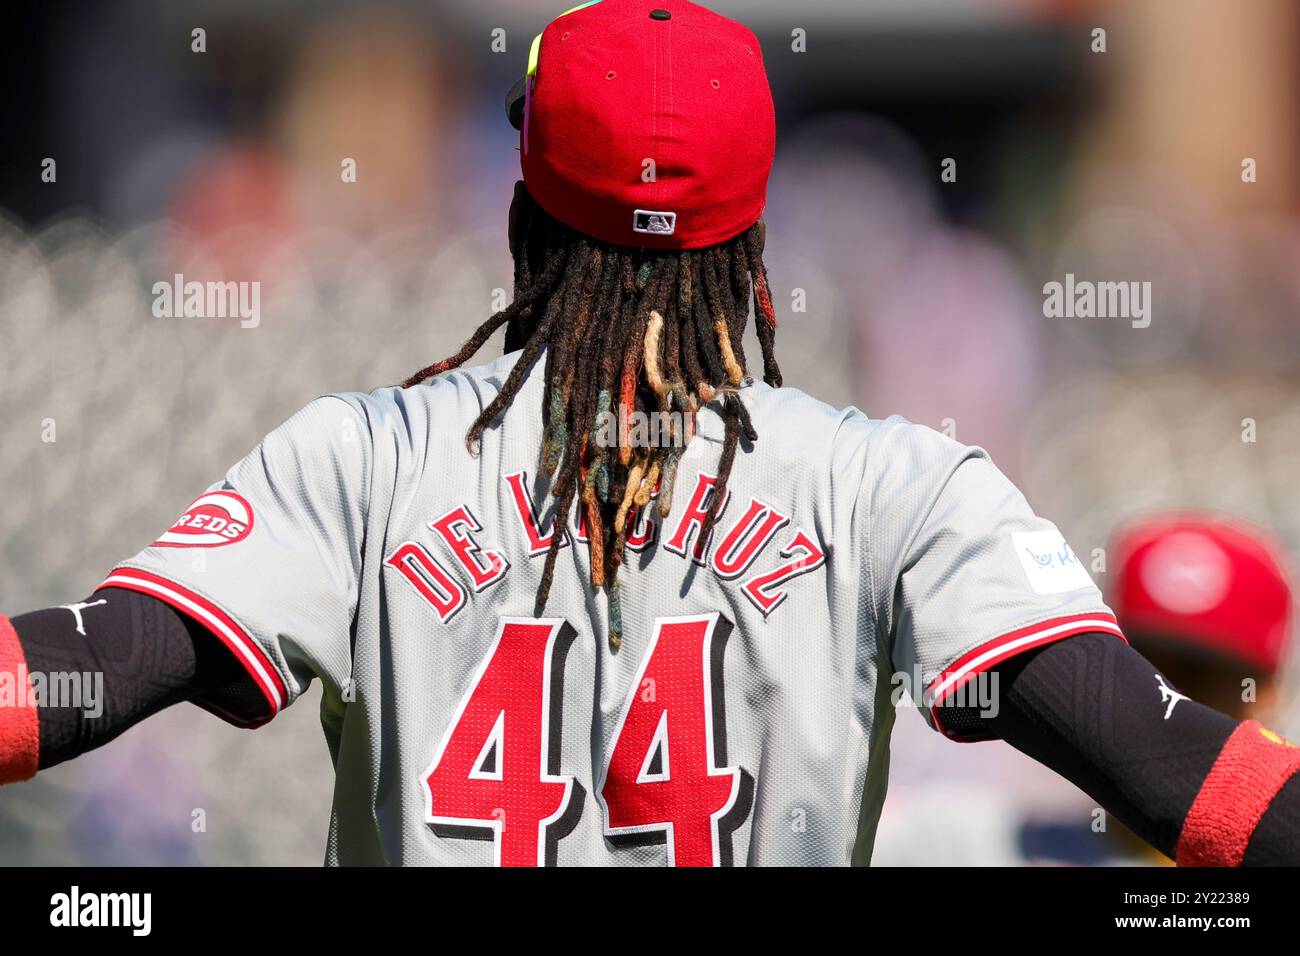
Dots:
(245, 599)
(83, 673)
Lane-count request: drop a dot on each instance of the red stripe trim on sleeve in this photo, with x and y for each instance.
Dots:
(991, 653)
(224, 627)
(20, 728)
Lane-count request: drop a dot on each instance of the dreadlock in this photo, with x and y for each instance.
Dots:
(625, 330)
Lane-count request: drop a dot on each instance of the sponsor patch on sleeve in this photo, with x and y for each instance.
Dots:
(1050, 564)
(216, 518)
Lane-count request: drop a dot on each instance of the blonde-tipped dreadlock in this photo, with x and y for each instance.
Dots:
(626, 330)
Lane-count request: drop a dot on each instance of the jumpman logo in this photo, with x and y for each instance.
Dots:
(76, 610)
(1169, 695)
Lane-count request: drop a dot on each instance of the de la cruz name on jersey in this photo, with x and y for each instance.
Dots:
(740, 543)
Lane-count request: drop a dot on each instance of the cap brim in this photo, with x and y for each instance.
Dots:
(515, 103)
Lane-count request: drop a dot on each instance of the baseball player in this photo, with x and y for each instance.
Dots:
(607, 600)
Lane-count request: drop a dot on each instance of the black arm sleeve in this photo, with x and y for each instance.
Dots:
(1092, 709)
(129, 655)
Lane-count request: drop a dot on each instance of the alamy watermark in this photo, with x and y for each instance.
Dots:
(978, 692)
(75, 908)
(642, 429)
(83, 690)
(1085, 299)
(179, 299)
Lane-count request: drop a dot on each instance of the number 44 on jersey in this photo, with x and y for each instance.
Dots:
(496, 775)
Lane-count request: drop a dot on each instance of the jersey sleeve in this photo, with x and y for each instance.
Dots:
(269, 560)
(964, 574)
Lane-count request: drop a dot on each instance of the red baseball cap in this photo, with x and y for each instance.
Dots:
(647, 123)
(1207, 580)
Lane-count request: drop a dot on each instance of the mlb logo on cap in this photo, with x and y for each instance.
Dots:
(655, 223)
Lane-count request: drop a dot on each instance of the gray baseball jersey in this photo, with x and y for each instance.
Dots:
(746, 716)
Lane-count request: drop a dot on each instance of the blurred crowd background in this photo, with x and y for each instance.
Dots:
(897, 291)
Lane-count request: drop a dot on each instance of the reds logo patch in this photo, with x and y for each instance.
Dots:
(217, 518)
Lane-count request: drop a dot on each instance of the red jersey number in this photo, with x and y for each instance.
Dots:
(496, 774)
(666, 779)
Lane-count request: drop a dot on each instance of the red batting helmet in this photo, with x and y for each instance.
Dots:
(1205, 580)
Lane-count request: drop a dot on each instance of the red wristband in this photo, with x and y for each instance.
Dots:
(1249, 771)
(20, 731)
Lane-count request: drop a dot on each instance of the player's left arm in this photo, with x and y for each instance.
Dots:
(986, 603)
(1194, 783)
